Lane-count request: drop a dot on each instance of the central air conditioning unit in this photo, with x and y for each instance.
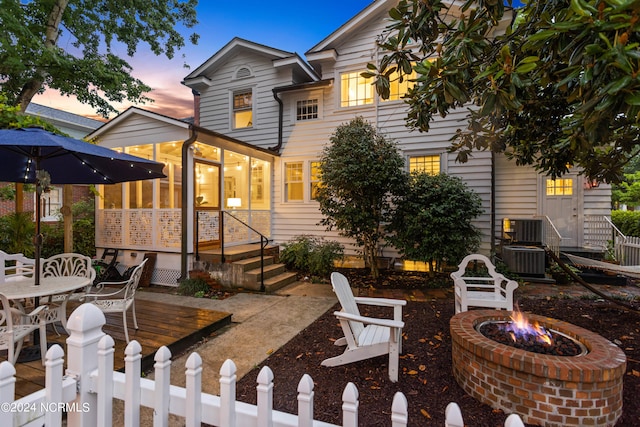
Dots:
(525, 231)
(524, 260)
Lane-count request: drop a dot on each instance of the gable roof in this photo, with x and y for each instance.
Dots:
(351, 26)
(131, 111)
(73, 124)
(281, 58)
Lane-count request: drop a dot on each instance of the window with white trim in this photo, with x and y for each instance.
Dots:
(243, 109)
(50, 204)
(428, 164)
(307, 109)
(355, 90)
(314, 179)
(294, 182)
(398, 89)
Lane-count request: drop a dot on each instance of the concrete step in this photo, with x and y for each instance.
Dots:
(255, 275)
(280, 281)
(252, 263)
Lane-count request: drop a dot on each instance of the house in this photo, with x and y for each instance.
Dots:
(262, 118)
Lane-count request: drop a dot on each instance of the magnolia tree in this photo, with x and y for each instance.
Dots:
(360, 170)
(433, 220)
(553, 84)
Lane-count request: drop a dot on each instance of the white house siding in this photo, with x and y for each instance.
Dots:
(215, 102)
(141, 130)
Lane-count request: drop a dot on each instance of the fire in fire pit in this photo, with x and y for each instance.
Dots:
(530, 336)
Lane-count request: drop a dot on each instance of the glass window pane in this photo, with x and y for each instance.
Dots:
(112, 196)
(207, 185)
(428, 164)
(260, 184)
(355, 90)
(294, 189)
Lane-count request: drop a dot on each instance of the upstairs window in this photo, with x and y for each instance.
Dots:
(398, 89)
(307, 109)
(243, 109)
(428, 164)
(355, 90)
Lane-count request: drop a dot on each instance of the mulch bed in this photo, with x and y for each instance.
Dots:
(425, 377)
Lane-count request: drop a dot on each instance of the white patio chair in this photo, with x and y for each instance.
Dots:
(366, 337)
(15, 325)
(121, 300)
(15, 267)
(492, 290)
(67, 264)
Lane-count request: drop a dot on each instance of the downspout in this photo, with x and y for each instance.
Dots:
(185, 200)
(278, 146)
(493, 203)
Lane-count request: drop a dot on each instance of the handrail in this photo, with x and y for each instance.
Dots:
(551, 237)
(264, 241)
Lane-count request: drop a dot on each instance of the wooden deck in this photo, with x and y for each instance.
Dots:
(177, 327)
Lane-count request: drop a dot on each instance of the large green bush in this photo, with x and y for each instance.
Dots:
(628, 222)
(311, 255)
(432, 220)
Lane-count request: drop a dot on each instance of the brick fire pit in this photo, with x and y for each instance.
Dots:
(545, 390)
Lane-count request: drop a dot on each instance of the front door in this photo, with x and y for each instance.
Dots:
(561, 206)
(207, 204)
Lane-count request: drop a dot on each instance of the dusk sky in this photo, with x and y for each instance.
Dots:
(281, 24)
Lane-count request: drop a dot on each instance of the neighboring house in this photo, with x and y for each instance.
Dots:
(263, 117)
(73, 125)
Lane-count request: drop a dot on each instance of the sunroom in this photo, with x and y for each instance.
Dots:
(216, 194)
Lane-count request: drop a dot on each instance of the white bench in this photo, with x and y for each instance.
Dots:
(490, 291)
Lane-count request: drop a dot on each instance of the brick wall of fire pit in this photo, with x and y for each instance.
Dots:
(544, 390)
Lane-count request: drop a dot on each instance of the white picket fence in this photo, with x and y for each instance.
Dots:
(88, 388)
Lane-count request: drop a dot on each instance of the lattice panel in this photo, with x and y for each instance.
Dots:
(169, 228)
(109, 228)
(261, 221)
(166, 277)
(140, 228)
(235, 231)
(208, 226)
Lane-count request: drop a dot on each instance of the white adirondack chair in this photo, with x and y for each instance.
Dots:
(121, 300)
(366, 337)
(491, 291)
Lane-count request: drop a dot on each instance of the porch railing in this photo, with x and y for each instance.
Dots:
(601, 233)
(264, 241)
(87, 390)
(551, 237)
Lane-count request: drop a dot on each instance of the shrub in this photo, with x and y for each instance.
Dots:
(628, 222)
(433, 220)
(311, 255)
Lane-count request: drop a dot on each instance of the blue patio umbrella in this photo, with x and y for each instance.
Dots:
(37, 156)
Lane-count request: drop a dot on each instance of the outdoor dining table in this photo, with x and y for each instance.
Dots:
(22, 289)
(55, 285)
